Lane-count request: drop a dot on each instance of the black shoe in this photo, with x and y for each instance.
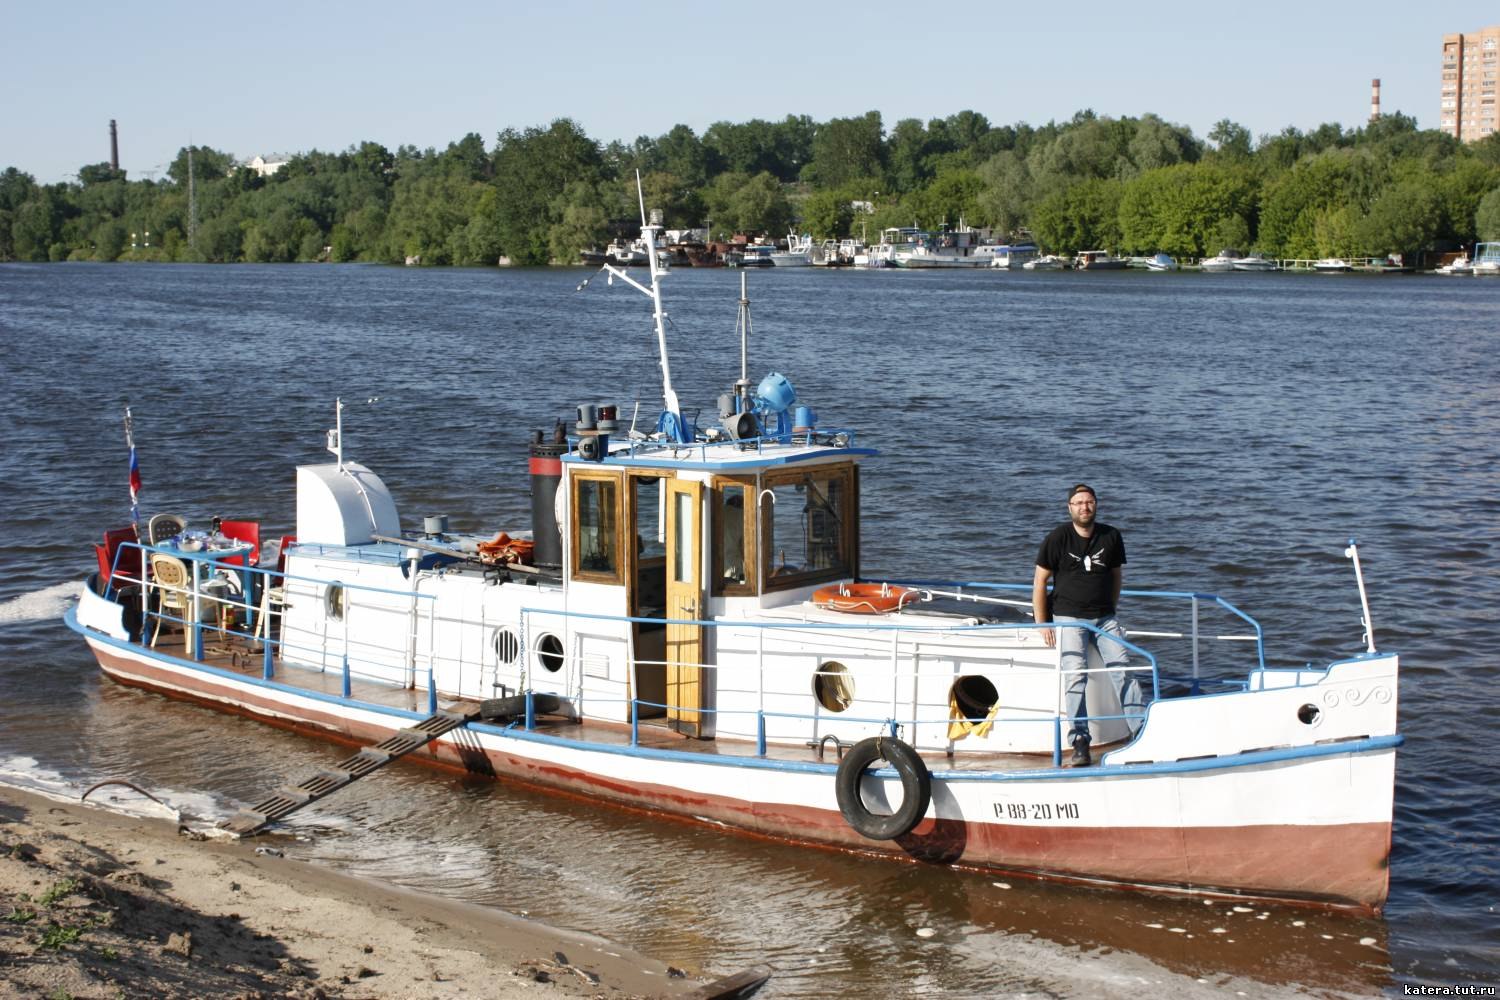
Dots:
(1081, 757)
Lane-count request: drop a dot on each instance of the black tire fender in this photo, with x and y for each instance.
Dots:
(515, 706)
(916, 788)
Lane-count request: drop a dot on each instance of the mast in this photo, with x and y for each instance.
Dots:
(671, 422)
(648, 236)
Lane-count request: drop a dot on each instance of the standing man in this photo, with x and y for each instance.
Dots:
(1085, 561)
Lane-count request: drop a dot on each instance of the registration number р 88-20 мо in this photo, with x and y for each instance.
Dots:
(1036, 810)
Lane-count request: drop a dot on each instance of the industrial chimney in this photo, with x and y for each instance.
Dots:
(114, 147)
(1375, 100)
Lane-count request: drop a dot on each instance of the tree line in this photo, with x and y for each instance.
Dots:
(541, 194)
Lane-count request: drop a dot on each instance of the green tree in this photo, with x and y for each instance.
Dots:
(1182, 209)
(1005, 197)
(828, 214)
(681, 154)
(1231, 140)
(1084, 216)
(1487, 217)
(582, 212)
(845, 150)
(208, 164)
(1404, 219)
(1333, 231)
(1460, 190)
(532, 168)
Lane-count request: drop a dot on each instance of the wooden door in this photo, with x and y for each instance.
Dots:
(685, 686)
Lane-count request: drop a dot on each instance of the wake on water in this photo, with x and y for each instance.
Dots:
(39, 605)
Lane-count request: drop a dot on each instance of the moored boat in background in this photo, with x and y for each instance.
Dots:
(1222, 261)
(1099, 260)
(1486, 260)
(1161, 262)
(1254, 262)
(798, 252)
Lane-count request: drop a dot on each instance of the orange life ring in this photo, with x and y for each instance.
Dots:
(862, 598)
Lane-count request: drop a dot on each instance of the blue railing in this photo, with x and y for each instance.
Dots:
(1133, 719)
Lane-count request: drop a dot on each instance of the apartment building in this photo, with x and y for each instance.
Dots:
(1470, 65)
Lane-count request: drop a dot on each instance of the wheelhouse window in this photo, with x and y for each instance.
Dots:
(734, 537)
(810, 533)
(596, 528)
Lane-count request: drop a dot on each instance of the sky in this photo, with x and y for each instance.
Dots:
(273, 77)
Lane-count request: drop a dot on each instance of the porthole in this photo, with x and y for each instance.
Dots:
(333, 602)
(549, 652)
(974, 696)
(507, 646)
(1309, 715)
(833, 686)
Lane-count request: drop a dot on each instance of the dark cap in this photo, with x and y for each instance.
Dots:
(1082, 488)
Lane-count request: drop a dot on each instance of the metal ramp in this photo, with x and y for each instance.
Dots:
(289, 798)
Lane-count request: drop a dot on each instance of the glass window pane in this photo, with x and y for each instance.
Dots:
(732, 535)
(807, 532)
(682, 538)
(651, 538)
(597, 531)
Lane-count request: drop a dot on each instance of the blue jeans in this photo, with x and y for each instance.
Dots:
(1072, 647)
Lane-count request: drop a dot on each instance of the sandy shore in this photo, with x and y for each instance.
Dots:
(96, 904)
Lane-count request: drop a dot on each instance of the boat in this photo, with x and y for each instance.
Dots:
(1458, 266)
(946, 248)
(750, 255)
(1049, 262)
(798, 252)
(1331, 265)
(1486, 260)
(1099, 260)
(684, 630)
(834, 253)
(893, 241)
(1161, 262)
(1222, 261)
(1254, 262)
(1009, 257)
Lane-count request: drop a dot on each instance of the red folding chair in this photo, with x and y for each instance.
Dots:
(243, 531)
(115, 559)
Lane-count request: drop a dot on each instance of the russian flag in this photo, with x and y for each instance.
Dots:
(135, 473)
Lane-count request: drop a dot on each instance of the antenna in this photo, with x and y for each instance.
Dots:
(742, 387)
(336, 435)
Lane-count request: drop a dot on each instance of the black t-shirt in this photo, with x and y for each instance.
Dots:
(1082, 569)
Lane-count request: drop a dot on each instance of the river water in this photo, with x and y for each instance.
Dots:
(1239, 429)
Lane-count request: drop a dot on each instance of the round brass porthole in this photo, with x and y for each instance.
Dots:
(507, 646)
(833, 686)
(549, 652)
(333, 602)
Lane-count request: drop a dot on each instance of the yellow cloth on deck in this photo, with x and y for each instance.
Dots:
(960, 725)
